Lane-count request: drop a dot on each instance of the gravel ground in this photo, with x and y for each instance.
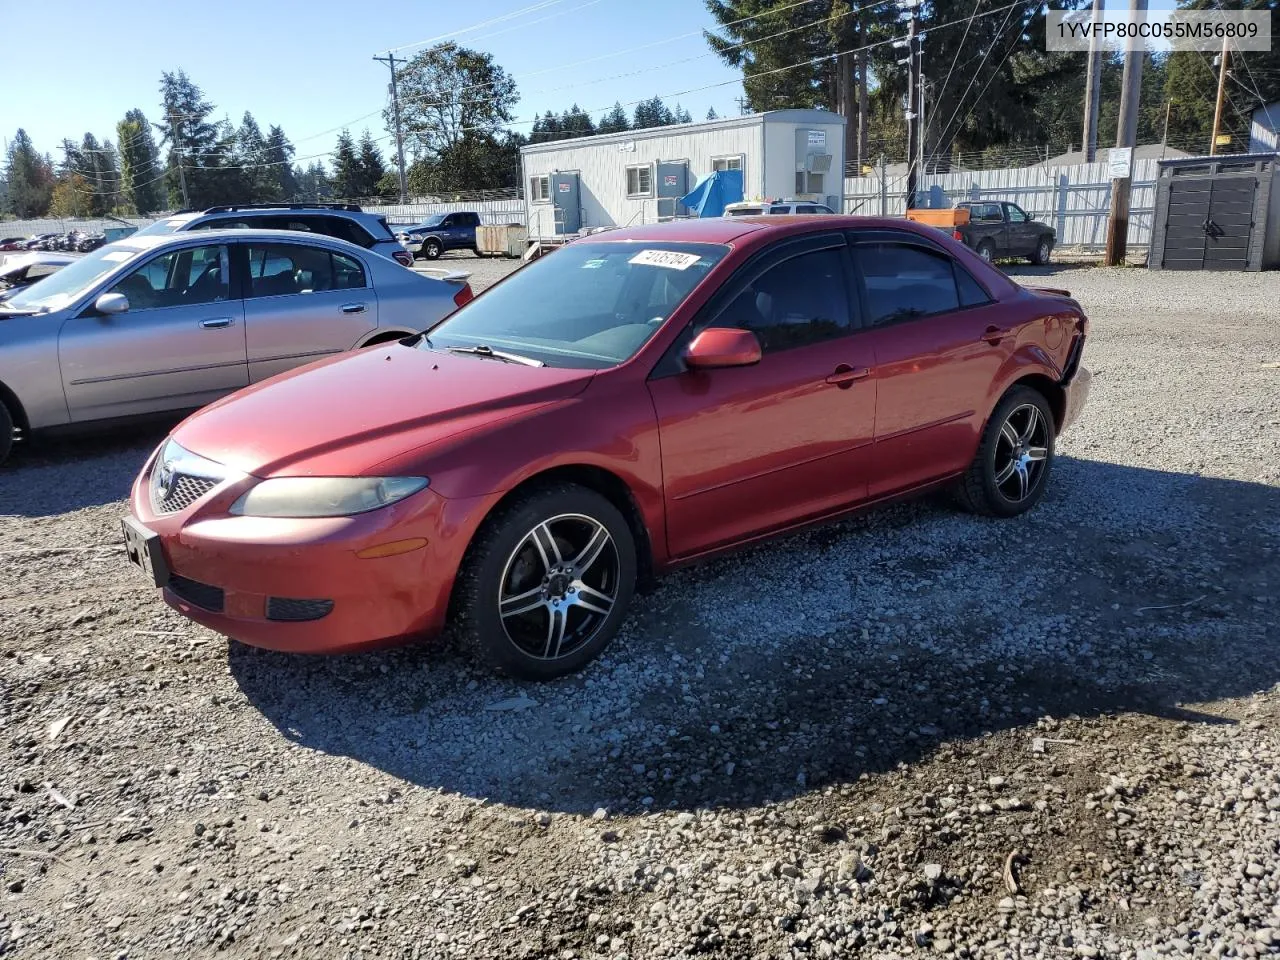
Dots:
(916, 732)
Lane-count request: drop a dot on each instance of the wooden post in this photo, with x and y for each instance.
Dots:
(1126, 135)
(1222, 95)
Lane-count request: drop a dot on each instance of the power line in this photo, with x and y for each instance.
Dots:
(532, 8)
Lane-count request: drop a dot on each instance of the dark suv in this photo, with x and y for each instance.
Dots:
(346, 221)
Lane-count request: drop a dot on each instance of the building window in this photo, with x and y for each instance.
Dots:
(540, 189)
(808, 183)
(640, 181)
(726, 163)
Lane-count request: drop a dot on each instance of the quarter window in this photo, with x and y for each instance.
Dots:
(798, 302)
(640, 181)
(182, 278)
(904, 282)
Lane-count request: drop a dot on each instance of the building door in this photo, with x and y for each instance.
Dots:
(673, 183)
(566, 201)
(1210, 223)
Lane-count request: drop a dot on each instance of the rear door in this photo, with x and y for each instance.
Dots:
(302, 302)
(181, 343)
(939, 341)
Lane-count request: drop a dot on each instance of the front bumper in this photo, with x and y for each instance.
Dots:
(1077, 392)
(245, 576)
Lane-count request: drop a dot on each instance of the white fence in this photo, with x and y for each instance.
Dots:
(498, 212)
(1073, 200)
(25, 228)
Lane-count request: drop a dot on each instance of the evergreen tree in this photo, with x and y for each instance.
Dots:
(615, 121)
(261, 181)
(346, 181)
(29, 177)
(712, 115)
(652, 113)
(280, 155)
(681, 115)
(371, 168)
(575, 122)
(139, 167)
(195, 142)
(546, 127)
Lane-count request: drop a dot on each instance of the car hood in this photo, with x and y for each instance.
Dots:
(346, 415)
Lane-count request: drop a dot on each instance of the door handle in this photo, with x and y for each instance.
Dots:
(353, 308)
(845, 376)
(217, 323)
(994, 334)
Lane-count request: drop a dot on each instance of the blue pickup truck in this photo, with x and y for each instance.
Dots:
(441, 232)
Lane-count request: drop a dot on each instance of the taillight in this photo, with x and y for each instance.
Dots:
(957, 235)
(403, 257)
(464, 296)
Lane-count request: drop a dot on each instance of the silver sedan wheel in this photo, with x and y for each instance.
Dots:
(559, 586)
(1022, 452)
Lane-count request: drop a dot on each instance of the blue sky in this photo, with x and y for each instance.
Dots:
(308, 65)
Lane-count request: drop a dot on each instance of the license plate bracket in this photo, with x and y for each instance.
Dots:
(143, 548)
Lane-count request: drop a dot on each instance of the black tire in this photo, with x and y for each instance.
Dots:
(1041, 254)
(432, 249)
(504, 558)
(982, 490)
(6, 433)
(986, 250)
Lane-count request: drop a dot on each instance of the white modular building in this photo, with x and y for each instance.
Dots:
(639, 176)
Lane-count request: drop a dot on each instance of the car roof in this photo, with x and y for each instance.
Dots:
(731, 229)
(150, 241)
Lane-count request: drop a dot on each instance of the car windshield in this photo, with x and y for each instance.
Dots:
(430, 222)
(587, 305)
(58, 289)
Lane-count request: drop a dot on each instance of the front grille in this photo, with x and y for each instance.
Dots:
(199, 594)
(182, 491)
(283, 608)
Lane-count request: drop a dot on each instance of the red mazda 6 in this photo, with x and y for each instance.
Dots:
(634, 401)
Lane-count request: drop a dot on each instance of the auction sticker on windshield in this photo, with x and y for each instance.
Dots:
(666, 258)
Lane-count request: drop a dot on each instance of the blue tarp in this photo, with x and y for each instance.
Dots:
(713, 193)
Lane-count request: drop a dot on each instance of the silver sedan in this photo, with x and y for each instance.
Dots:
(157, 324)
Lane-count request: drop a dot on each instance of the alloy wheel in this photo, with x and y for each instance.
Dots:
(559, 586)
(1022, 452)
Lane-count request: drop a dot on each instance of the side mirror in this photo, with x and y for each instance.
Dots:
(722, 347)
(110, 304)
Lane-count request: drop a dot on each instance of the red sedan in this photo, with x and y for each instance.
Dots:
(632, 402)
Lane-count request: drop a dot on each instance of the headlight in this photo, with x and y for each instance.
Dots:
(324, 496)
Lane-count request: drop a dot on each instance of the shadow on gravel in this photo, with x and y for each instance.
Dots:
(50, 477)
(848, 650)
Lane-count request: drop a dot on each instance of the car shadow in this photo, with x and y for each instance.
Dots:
(47, 477)
(849, 649)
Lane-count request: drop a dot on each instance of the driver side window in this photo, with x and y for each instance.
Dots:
(187, 277)
(1015, 214)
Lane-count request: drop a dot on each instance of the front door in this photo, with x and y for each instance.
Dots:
(181, 343)
(303, 302)
(746, 450)
(566, 202)
(1023, 235)
(938, 342)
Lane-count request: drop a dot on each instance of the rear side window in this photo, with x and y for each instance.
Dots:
(284, 269)
(904, 281)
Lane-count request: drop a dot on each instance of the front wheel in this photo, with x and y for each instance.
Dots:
(1041, 255)
(1008, 475)
(432, 249)
(545, 587)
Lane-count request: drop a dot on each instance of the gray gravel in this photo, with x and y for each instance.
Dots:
(912, 733)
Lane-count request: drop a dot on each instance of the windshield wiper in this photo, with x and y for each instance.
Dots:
(484, 350)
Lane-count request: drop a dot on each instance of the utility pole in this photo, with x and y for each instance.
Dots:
(1126, 135)
(742, 105)
(390, 61)
(921, 125)
(1093, 87)
(177, 149)
(1222, 93)
(913, 105)
(1164, 137)
(864, 106)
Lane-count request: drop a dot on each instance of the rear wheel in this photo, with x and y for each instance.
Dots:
(1009, 473)
(986, 250)
(1042, 251)
(432, 249)
(546, 584)
(6, 433)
